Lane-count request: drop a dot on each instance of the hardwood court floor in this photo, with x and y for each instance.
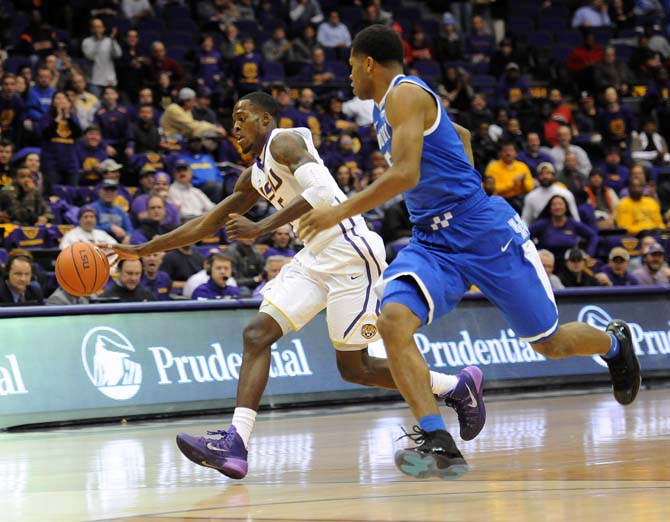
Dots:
(571, 458)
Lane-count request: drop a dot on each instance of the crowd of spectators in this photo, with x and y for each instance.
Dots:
(115, 127)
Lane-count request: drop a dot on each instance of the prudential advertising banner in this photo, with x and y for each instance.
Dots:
(95, 366)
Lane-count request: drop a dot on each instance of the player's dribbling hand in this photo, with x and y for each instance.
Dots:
(239, 227)
(122, 252)
(315, 221)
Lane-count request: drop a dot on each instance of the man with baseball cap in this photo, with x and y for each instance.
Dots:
(652, 271)
(537, 199)
(177, 120)
(574, 272)
(616, 271)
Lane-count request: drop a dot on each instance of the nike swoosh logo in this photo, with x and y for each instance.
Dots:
(504, 248)
(356, 276)
(210, 446)
(473, 399)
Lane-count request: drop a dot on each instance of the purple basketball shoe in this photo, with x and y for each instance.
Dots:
(226, 454)
(468, 401)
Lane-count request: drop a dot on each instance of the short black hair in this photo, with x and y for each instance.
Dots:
(263, 101)
(381, 43)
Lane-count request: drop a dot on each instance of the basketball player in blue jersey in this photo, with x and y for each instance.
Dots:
(460, 237)
(336, 270)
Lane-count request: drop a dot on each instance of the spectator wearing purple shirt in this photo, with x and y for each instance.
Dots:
(160, 187)
(616, 271)
(90, 151)
(208, 69)
(11, 109)
(479, 44)
(532, 155)
(512, 87)
(152, 225)
(219, 272)
(113, 119)
(59, 128)
(281, 243)
(614, 172)
(615, 121)
(288, 115)
(558, 232)
(155, 280)
(248, 68)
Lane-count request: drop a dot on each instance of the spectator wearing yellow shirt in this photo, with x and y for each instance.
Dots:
(636, 212)
(512, 177)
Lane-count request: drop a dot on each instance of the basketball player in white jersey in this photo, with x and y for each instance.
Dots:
(336, 271)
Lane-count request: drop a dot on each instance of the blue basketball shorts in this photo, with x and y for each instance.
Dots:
(487, 246)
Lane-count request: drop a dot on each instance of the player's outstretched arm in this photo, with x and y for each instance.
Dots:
(289, 149)
(408, 108)
(465, 136)
(242, 199)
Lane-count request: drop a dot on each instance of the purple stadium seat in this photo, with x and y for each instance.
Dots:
(175, 12)
(541, 39)
(520, 27)
(553, 25)
(429, 70)
(273, 72)
(3, 257)
(247, 28)
(65, 193)
(85, 195)
(603, 35)
(179, 39)
(341, 71)
(350, 15)
(150, 24)
(14, 63)
(185, 25)
(569, 37)
(561, 51)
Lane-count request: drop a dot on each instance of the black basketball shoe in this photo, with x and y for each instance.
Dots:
(625, 367)
(435, 456)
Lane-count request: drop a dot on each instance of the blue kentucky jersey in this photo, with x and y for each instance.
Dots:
(447, 177)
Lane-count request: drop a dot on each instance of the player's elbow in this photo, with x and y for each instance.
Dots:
(319, 195)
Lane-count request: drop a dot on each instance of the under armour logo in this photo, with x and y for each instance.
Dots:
(441, 222)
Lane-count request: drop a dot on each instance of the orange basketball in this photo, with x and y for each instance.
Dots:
(82, 269)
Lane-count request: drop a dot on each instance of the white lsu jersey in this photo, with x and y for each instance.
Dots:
(276, 183)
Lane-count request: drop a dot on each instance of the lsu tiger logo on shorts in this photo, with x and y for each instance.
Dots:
(368, 331)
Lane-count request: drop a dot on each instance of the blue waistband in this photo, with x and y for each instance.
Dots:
(454, 211)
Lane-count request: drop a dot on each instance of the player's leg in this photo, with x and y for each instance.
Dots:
(508, 269)
(279, 313)
(227, 453)
(615, 346)
(352, 313)
(404, 310)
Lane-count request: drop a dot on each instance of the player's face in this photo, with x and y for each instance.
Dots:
(360, 81)
(250, 126)
(19, 275)
(221, 271)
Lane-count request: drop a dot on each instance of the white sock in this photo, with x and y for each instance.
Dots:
(442, 383)
(244, 420)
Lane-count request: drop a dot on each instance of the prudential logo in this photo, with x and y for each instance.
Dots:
(598, 318)
(107, 357)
